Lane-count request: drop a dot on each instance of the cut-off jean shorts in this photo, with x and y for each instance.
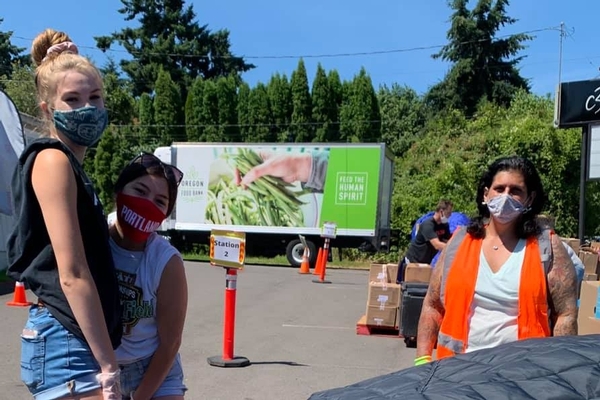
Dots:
(54, 362)
(132, 374)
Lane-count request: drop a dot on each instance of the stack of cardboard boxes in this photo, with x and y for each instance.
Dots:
(384, 299)
(588, 320)
(589, 257)
(589, 297)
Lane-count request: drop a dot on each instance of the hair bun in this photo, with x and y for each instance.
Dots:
(49, 44)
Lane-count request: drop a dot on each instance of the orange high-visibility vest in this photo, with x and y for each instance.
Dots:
(458, 288)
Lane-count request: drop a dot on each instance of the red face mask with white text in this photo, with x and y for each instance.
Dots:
(138, 217)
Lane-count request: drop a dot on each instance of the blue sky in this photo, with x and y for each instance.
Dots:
(313, 27)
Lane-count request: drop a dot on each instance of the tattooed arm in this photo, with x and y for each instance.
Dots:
(562, 282)
(431, 313)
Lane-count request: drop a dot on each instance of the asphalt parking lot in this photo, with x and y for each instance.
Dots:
(299, 336)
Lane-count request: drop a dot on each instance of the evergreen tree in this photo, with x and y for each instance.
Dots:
(484, 67)
(10, 55)
(259, 116)
(193, 111)
(280, 96)
(227, 103)
(323, 110)
(121, 107)
(402, 116)
(118, 100)
(109, 160)
(169, 37)
(244, 92)
(360, 117)
(210, 113)
(167, 110)
(147, 132)
(21, 89)
(301, 129)
(335, 85)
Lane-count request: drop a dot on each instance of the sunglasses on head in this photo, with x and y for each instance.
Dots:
(148, 160)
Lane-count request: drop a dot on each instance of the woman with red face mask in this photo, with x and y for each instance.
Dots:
(152, 281)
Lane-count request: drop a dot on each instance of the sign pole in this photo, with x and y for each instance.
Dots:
(227, 249)
(329, 231)
(324, 266)
(585, 140)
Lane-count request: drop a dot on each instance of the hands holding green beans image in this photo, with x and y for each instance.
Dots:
(262, 190)
(289, 167)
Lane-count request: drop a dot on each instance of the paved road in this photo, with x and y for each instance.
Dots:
(299, 336)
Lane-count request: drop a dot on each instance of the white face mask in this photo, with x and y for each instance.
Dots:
(505, 208)
(444, 219)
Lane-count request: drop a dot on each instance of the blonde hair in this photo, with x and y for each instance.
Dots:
(51, 63)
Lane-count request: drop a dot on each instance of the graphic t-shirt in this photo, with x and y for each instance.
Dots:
(139, 274)
(421, 250)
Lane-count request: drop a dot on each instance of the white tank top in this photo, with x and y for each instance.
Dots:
(139, 274)
(495, 306)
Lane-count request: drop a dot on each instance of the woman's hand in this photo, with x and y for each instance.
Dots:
(111, 384)
(289, 167)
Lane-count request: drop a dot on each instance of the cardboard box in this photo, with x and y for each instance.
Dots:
(590, 261)
(386, 316)
(588, 320)
(588, 299)
(383, 295)
(590, 277)
(416, 272)
(378, 273)
(573, 243)
(588, 326)
(383, 273)
(392, 272)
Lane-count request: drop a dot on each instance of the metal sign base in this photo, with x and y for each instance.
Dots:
(320, 281)
(235, 362)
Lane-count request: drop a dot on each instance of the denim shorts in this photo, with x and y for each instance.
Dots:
(54, 362)
(132, 374)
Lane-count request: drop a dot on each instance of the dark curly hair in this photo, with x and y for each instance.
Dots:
(527, 225)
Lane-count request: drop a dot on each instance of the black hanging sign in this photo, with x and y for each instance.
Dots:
(578, 103)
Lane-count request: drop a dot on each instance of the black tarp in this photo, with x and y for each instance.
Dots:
(561, 368)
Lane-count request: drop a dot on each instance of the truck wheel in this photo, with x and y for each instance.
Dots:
(294, 252)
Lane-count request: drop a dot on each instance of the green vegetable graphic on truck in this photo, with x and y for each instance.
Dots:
(274, 192)
(268, 201)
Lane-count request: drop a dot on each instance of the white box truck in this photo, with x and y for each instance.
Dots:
(277, 191)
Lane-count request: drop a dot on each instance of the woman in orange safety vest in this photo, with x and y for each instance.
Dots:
(501, 279)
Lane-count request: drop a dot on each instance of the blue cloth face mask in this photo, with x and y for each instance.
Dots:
(83, 126)
(505, 208)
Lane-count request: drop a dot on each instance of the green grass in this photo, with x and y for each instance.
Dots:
(282, 261)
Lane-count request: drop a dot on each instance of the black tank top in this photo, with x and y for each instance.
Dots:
(31, 258)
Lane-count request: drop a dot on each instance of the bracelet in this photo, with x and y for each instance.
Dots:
(422, 360)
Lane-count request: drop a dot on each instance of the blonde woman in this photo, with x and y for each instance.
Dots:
(59, 246)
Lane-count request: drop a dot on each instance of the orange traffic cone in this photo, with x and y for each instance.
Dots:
(319, 263)
(304, 267)
(19, 298)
